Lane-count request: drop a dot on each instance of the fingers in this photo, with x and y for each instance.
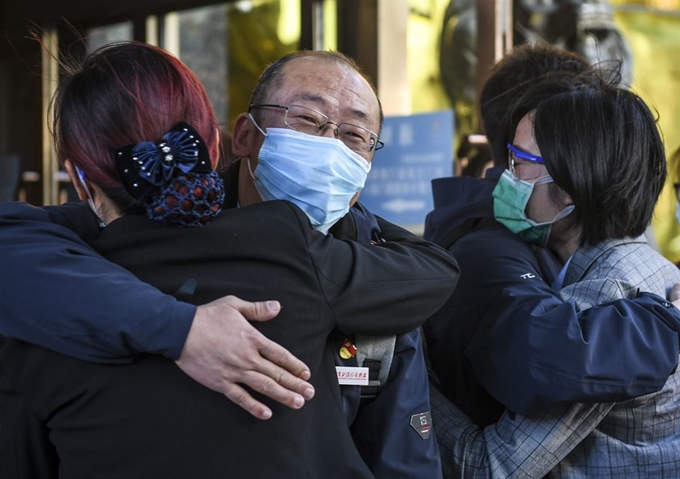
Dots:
(279, 375)
(675, 294)
(224, 353)
(268, 386)
(279, 356)
(240, 396)
(257, 311)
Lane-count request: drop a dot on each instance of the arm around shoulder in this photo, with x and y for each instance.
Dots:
(533, 349)
(386, 288)
(58, 293)
(92, 309)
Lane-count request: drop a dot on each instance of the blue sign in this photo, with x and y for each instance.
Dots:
(417, 149)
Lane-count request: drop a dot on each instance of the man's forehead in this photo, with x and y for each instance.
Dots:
(329, 85)
(323, 102)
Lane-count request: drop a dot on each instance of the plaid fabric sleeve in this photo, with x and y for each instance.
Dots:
(517, 446)
(589, 293)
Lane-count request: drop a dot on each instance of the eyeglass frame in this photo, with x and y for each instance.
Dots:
(377, 145)
(522, 155)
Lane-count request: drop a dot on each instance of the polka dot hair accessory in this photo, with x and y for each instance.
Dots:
(146, 164)
(173, 178)
(187, 200)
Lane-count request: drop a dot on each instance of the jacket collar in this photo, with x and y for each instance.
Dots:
(585, 256)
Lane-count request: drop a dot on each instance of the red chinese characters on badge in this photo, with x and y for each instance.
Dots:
(355, 373)
(352, 375)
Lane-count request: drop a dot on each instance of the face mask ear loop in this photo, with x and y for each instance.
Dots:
(562, 214)
(566, 211)
(250, 115)
(250, 170)
(81, 178)
(543, 180)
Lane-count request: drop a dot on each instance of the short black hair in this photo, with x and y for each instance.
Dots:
(602, 147)
(513, 75)
(272, 76)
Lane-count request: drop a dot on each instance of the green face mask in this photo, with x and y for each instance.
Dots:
(510, 198)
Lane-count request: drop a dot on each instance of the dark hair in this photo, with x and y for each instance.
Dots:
(122, 94)
(272, 76)
(601, 145)
(475, 154)
(519, 69)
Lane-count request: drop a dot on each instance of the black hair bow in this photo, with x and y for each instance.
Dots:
(147, 165)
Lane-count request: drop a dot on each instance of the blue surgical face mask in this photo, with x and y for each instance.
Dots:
(511, 196)
(677, 212)
(318, 174)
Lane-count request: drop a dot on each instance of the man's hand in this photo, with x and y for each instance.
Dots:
(223, 349)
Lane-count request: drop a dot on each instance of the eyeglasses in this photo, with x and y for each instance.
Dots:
(530, 170)
(312, 122)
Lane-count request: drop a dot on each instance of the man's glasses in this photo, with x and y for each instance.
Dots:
(529, 169)
(312, 122)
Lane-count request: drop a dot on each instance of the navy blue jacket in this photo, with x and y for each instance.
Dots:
(34, 243)
(381, 427)
(492, 343)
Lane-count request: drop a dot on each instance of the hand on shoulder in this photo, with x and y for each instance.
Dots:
(223, 351)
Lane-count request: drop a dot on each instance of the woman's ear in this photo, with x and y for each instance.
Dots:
(243, 138)
(76, 180)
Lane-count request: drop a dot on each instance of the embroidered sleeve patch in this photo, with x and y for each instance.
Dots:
(422, 423)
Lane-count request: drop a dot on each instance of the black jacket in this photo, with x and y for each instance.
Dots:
(150, 420)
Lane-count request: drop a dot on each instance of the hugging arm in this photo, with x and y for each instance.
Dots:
(59, 294)
(382, 289)
(533, 349)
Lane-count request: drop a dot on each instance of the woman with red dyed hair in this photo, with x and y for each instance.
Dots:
(127, 94)
(138, 136)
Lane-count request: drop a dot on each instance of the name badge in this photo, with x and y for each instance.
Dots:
(352, 376)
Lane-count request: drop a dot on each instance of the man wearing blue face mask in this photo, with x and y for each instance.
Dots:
(309, 137)
(411, 295)
(323, 191)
